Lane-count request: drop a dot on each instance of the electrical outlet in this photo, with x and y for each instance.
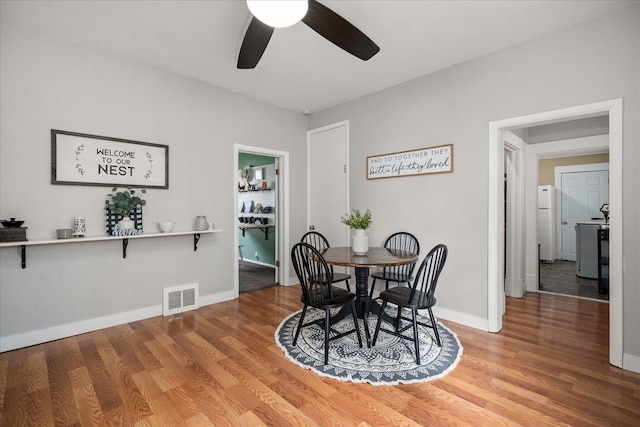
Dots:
(256, 254)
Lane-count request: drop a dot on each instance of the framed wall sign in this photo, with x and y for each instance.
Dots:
(415, 162)
(81, 159)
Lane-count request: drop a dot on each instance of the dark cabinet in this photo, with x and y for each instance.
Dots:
(603, 260)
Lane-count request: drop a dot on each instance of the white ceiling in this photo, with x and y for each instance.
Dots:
(300, 70)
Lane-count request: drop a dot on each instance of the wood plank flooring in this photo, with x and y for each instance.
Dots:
(220, 366)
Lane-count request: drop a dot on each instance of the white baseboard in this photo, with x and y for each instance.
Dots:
(453, 316)
(462, 318)
(293, 281)
(631, 363)
(216, 298)
(40, 336)
(264, 264)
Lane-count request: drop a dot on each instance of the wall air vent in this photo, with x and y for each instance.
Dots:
(179, 299)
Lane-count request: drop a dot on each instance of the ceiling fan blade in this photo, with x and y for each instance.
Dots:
(255, 42)
(339, 31)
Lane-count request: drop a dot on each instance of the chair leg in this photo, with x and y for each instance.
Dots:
(365, 321)
(375, 335)
(348, 287)
(415, 335)
(398, 318)
(387, 285)
(435, 327)
(304, 311)
(373, 286)
(355, 323)
(326, 336)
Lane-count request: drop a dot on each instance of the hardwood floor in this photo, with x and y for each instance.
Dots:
(220, 366)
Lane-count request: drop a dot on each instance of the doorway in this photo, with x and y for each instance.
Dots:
(257, 217)
(495, 248)
(260, 210)
(582, 186)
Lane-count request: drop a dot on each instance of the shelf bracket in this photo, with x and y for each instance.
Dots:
(125, 243)
(24, 256)
(196, 239)
(264, 229)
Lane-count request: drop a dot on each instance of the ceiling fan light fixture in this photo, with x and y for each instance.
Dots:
(278, 13)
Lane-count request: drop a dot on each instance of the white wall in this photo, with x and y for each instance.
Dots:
(48, 83)
(593, 61)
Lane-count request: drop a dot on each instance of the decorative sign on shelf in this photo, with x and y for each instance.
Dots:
(81, 159)
(113, 219)
(415, 162)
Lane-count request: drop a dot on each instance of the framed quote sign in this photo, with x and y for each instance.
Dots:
(81, 159)
(415, 162)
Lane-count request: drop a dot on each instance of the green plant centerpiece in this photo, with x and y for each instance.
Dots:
(359, 222)
(124, 203)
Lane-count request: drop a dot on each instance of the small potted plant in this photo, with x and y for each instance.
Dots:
(359, 222)
(124, 203)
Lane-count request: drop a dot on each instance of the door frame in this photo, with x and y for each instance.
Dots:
(495, 217)
(514, 150)
(282, 209)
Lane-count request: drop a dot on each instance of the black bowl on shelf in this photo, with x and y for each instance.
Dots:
(11, 223)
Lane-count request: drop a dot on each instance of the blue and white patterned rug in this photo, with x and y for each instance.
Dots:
(392, 361)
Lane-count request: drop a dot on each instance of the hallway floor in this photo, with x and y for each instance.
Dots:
(253, 277)
(560, 278)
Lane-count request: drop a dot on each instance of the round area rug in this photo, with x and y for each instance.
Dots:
(392, 361)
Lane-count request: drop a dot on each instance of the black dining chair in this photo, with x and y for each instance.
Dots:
(309, 266)
(318, 241)
(401, 273)
(418, 297)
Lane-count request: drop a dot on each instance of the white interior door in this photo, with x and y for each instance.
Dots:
(583, 193)
(328, 181)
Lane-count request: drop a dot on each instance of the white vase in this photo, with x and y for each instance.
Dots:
(360, 242)
(126, 224)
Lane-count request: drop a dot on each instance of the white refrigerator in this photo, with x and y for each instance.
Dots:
(547, 222)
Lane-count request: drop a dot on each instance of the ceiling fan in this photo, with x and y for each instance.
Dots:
(320, 18)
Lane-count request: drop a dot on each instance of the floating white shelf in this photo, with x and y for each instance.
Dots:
(125, 240)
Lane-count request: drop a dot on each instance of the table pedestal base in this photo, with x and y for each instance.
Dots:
(364, 304)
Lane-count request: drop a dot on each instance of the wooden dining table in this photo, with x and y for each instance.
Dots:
(375, 257)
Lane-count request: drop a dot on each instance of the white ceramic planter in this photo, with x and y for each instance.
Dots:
(360, 242)
(126, 224)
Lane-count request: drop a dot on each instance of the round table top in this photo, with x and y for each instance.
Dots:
(375, 257)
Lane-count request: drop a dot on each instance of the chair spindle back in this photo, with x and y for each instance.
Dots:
(429, 272)
(316, 240)
(310, 266)
(405, 242)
